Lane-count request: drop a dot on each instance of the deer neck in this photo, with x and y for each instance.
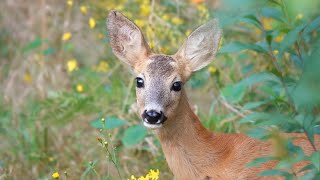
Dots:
(186, 143)
(184, 126)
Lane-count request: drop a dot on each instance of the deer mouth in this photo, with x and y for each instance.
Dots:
(155, 125)
(153, 119)
(152, 126)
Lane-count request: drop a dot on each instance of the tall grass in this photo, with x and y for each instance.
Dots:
(59, 79)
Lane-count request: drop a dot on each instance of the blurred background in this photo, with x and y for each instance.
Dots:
(67, 104)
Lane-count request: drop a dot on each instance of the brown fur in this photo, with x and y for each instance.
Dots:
(192, 152)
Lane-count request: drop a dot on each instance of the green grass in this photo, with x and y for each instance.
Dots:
(264, 79)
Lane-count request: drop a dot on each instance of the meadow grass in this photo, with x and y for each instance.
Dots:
(67, 104)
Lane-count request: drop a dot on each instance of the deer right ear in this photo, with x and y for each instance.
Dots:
(126, 39)
(201, 46)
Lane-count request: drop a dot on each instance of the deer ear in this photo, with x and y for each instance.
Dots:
(126, 39)
(201, 46)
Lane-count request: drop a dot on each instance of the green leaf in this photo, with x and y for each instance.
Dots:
(269, 38)
(274, 119)
(297, 150)
(259, 78)
(308, 126)
(309, 175)
(290, 38)
(275, 172)
(88, 169)
(233, 93)
(109, 123)
(315, 159)
(272, 13)
(238, 46)
(260, 160)
(253, 117)
(313, 25)
(253, 105)
(49, 51)
(306, 93)
(258, 133)
(306, 168)
(252, 19)
(265, 119)
(199, 79)
(33, 45)
(134, 135)
(275, 2)
(68, 47)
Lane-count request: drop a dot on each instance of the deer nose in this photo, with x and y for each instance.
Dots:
(153, 117)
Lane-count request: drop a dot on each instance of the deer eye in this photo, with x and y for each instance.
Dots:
(177, 86)
(139, 82)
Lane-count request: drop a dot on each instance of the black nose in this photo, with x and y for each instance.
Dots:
(153, 117)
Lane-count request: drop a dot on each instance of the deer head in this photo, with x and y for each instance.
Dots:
(160, 78)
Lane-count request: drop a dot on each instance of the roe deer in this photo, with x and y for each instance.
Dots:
(191, 151)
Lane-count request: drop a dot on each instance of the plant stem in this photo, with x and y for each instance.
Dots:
(284, 8)
(309, 139)
(112, 160)
(299, 52)
(274, 61)
(95, 172)
(127, 94)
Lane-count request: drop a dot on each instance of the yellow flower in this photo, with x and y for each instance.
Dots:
(188, 32)
(84, 9)
(70, 2)
(27, 77)
(149, 31)
(55, 175)
(164, 50)
(51, 159)
(153, 174)
(152, 45)
(279, 38)
(143, 178)
(66, 36)
(299, 16)
(275, 52)
(165, 17)
(139, 22)
(257, 31)
(212, 69)
(176, 21)
(203, 11)
(119, 7)
(267, 23)
(79, 88)
(92, 23)
(72, 65)
(103, 66)
(144, 9)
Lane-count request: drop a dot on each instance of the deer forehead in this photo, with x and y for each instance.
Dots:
(160, 67)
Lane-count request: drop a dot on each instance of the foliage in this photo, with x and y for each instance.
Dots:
(61, 86)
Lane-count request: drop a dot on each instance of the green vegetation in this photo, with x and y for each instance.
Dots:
(67, 104)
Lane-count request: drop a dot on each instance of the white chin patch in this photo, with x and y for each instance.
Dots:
(152, 126)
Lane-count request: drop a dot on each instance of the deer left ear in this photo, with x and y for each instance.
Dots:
(126, 39)
(201, 46)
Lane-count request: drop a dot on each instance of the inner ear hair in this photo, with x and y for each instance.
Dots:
(126, 39)
(201, 46)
